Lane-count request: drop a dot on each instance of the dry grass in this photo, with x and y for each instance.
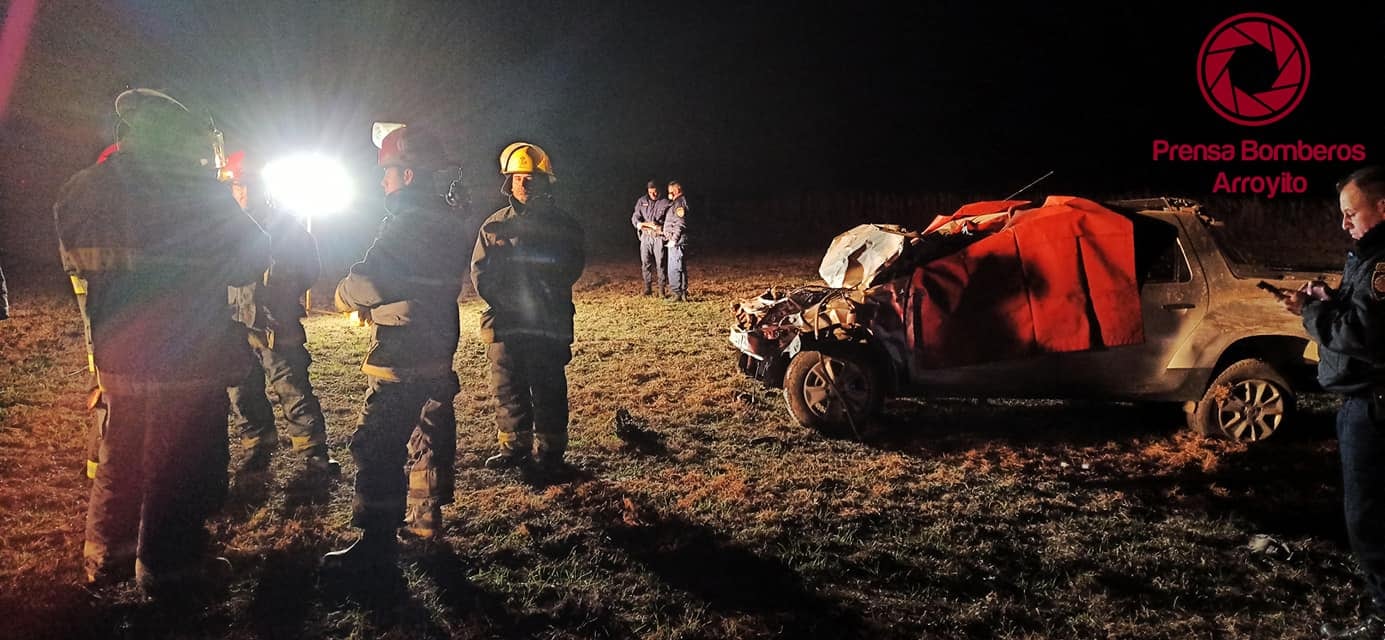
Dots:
(720, 518)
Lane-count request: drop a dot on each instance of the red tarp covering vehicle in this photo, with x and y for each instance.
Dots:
(1059, 277)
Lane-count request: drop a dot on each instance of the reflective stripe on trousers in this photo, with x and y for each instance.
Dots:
(530, 387)
(161, 473)
(404, 428)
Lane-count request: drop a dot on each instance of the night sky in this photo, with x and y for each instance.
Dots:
(735, 100)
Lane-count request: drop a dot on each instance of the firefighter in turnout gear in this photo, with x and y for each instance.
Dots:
(96, 405)
(157, 241)
(406, 287)
(648, 221)
(675, 235)
(527, 257)
(271, 311)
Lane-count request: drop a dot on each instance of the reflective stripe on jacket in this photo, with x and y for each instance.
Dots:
(157, 245)
(524, 265)
(408, 283)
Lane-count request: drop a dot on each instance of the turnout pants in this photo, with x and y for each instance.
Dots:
(677, 270)
(1361, 441)
(161, 473)
(405, 442)
(530, 386)
(284, 372)
(652, 260)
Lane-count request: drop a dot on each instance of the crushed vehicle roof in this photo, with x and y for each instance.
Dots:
(998, 280)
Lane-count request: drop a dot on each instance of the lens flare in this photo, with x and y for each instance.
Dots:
(309, 185)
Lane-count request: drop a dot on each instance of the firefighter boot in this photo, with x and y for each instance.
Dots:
(322, 464)
(508, 460)
(550, 450)
(375, 549)
(648, 291)
(422, 523)
(257, 454)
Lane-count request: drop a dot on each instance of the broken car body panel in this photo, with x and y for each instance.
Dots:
(1068, 299)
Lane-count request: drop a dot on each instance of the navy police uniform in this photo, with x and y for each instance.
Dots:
(1350, 328)
(651, 210)
(675, 233)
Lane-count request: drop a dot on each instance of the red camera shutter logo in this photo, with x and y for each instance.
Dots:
(1232, 101)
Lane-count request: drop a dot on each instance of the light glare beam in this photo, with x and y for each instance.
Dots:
(309, 185)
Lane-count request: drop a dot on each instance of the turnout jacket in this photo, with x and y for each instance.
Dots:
(407, 285)
(272, 302)
(157, 244)
(1350, 327)
(526, 260)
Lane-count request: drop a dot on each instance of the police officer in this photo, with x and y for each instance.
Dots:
(527, 257)
(675, 234)
(406, 287)
(271, 311)
(157, 240)
(648, 221)
(1347, 324)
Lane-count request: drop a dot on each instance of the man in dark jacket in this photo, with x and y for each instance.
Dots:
(676, 237)
(527, 257)
(271, 311)
(648, 221)
(157, 240)
(1349, 326)
(406, 287)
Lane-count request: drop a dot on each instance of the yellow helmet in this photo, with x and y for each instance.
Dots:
(522, 157)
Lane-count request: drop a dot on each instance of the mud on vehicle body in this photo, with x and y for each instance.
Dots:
(1192, 328)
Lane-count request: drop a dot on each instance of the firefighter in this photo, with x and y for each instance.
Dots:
(675, 235)
(271, 310)
(95, 403)
(406, 287)
(157, 240)
(648, 221)
(527, 257)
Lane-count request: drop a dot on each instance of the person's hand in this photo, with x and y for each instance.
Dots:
(1294, 301)
(1318, 290)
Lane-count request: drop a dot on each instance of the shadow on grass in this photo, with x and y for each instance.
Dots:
(480, 613)
(284, 594)
(945, 425)
(383, 598)
(1289, 485)
(718, 573)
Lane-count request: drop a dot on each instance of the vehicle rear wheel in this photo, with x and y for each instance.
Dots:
(832, 390)
(1248, 402)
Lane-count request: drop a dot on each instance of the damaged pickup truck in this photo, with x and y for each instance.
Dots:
(1131, 300)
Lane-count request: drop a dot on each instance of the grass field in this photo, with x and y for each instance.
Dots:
(957, 518)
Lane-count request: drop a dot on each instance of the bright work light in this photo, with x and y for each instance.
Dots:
(309, 185)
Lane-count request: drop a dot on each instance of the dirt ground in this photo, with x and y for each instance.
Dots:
(718, 517)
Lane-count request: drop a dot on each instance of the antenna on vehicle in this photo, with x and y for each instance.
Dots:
(1027, 186)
